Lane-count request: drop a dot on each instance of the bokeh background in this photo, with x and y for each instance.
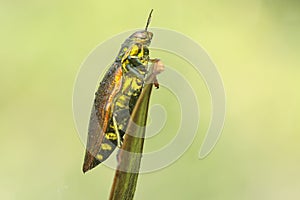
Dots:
(254, 43)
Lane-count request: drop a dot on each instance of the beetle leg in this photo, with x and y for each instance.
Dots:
(117, 132)
(135, 61)
(135, 72)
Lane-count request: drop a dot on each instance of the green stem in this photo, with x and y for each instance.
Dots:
(126, 175)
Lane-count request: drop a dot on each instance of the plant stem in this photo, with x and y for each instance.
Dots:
(126, 175)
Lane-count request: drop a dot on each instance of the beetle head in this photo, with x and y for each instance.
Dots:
(143, 37)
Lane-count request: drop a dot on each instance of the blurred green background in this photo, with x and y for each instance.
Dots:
(254, 43)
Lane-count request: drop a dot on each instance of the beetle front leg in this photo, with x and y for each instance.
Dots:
(138, 68)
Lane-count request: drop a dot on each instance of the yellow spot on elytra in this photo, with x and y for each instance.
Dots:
(111, 136)
(123, 98)
(120, 105)
(106, 146)
(135, 85)
(121, 126)
(134, 50)
(126, 84)
(99, 157)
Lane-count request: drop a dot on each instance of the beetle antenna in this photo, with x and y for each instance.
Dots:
(149, 19)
